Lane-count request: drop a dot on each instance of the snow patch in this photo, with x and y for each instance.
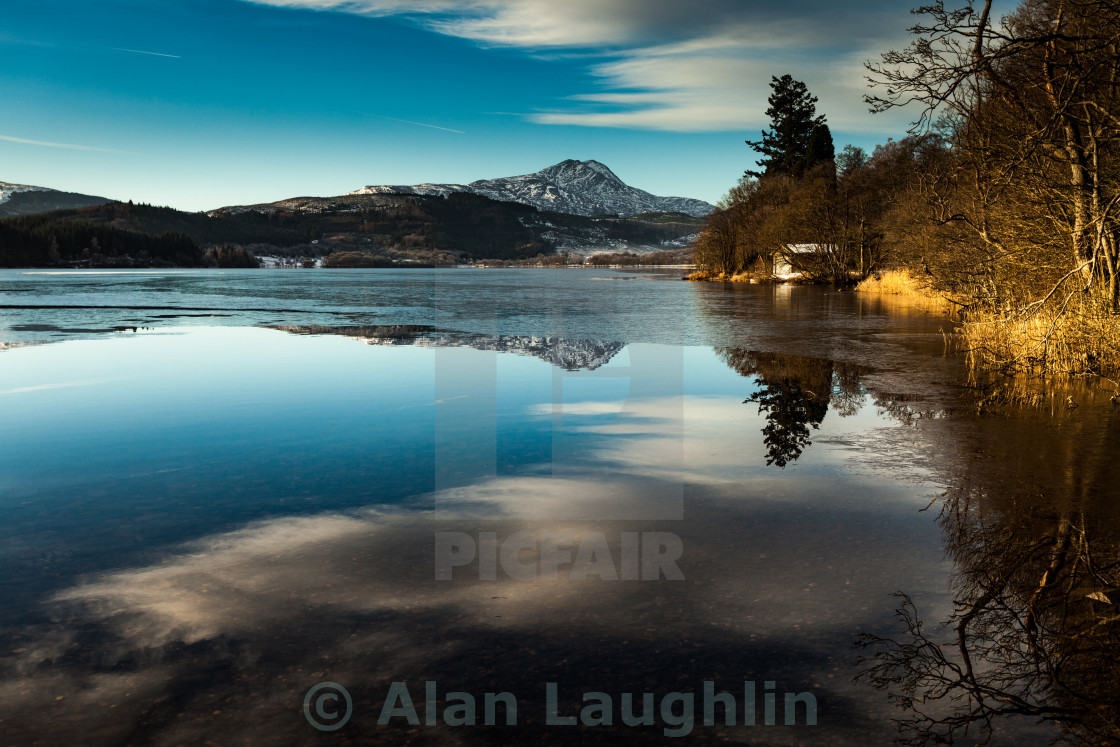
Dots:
(7, 190)
(577, 187)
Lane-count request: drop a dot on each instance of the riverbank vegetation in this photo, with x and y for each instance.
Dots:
(1002, 199)
(901, 282)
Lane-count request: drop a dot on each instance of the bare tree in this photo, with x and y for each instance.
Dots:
(1033, 104)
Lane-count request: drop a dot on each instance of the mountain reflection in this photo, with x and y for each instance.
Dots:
(565, 353)
(795, 394)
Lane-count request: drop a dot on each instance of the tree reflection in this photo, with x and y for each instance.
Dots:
(1035, 622)
(795, 394)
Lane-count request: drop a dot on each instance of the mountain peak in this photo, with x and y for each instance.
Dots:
(572, 168)
(571, 186)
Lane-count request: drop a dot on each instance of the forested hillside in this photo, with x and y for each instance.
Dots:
(385, 228)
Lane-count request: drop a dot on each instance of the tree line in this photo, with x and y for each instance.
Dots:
(1003, 197)
(805, 193)
(42, 241)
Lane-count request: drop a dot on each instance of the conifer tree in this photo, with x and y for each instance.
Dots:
(793, 118)
(821, 149)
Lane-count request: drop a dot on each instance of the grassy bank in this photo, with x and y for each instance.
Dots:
(1085, 339)
(704, 275)
(906, 286)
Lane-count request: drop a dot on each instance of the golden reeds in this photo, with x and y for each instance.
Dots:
(1082, 338)
(903, 284)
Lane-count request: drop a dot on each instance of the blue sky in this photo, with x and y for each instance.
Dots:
(204, 103)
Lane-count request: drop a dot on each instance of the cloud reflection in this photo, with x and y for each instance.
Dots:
(230, 629)
(219, 639)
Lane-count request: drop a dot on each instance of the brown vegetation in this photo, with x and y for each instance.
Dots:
(844, 208)
(1020, 205)
(904, 284)
(1004, 201)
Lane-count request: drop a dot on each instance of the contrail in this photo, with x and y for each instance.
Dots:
(141, 51)
(60, 385)
(46, 144)
(421, 124)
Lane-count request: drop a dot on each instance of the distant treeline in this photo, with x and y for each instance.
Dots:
(281, 229)
(44, 241)
(650, 259)
(47, 240)
(341, 260)
(126, 233)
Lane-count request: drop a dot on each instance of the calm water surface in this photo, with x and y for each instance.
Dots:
(220, 489)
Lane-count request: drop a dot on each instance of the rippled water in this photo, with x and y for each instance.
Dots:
(220, 489)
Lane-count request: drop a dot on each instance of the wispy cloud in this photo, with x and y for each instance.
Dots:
(141, 51)
(418, 124)
(668, 65)
(47, 144)
(59, 385)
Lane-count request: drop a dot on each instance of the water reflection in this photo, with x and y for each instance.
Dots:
(564, 353)
(1031, 527)
(1033, 632)
(192, 537)
(795, 393)
(220, 595)
(220, 639)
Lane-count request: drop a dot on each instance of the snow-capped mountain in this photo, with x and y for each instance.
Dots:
(577, 187)
(21, 199)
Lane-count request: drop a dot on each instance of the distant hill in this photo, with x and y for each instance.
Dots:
(206, 230)
(575, 187)
(23, 199)
(472, 226)
(385, 230)
(45, 240)
(118, 234)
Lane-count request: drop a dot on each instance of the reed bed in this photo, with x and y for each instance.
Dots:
(903, 284)
(1081, 339)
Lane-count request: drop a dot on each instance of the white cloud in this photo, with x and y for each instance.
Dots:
(723, 90)
(670, 65)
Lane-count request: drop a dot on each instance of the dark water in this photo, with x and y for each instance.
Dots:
(220, 489)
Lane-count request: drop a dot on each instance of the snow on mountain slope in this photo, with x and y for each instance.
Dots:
(567, 353)
(578, 187)
(7, 190)
(23, 199)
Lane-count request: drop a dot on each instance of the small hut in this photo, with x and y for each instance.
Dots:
(784, 262)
